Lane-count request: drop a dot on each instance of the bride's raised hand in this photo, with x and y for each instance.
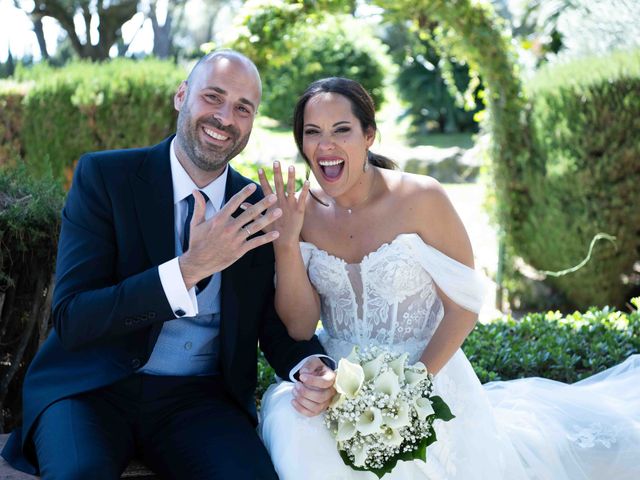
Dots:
(289, 224)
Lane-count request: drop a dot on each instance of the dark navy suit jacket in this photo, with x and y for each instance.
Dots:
(109, 304)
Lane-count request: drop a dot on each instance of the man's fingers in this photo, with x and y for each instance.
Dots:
(254, 211)
(262, 221)
(259, 240)
(264, 183)
(238, 199)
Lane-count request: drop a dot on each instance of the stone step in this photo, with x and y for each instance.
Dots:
(135, 471)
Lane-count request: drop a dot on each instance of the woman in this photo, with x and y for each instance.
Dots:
(382, 257)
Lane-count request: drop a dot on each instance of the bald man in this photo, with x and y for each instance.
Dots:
(164, 286)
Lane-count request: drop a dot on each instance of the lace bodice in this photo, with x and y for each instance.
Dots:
(388, 299)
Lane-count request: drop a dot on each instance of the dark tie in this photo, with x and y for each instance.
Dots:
(202, 284)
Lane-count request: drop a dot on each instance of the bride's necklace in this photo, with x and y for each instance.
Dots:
(350, 209)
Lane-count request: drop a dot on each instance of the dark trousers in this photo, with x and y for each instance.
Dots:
(181, 427)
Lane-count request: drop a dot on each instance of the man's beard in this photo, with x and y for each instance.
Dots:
(205, 156)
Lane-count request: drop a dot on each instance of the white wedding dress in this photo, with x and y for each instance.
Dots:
(522, 429)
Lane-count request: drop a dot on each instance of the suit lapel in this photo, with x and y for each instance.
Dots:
(153, 198)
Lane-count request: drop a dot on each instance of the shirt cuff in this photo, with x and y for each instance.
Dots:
(182, 301)
(327, 360)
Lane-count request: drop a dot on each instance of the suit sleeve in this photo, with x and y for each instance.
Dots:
(90, 304)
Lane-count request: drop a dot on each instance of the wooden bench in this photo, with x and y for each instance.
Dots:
(135, 471)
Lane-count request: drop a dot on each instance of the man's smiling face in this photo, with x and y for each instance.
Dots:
(217, 106)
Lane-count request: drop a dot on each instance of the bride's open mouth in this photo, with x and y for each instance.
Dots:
(331, 169)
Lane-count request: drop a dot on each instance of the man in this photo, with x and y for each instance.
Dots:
(164, 287)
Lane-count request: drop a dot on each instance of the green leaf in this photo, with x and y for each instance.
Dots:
(443, 412)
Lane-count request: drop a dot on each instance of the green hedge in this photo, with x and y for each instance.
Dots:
(11, 118)
(550, 345)
(29, 226)
(586, 129)
(84, 107)
(292, 47)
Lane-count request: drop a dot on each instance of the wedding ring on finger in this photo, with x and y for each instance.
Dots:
(246, 229)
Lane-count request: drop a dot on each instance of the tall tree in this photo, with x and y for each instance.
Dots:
(109, 15)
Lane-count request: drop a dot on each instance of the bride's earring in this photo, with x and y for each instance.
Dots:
(365, 165)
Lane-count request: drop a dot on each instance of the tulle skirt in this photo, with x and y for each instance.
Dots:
(521, 429)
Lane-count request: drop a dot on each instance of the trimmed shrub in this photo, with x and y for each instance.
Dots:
(585, 123)
(550, 345)
(84, 107)
(11, 118)
(29, 226)
(292, 50)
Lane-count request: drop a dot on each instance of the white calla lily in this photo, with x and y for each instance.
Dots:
(423, 407)
(403, 418)
(398, 366)
(346, 430)
(370, 421)
(360, 455)
(392, 437)
(412, 377)
(372, 368)
(349, 378)
(387, 382)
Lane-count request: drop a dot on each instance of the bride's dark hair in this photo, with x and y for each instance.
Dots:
(362, 107)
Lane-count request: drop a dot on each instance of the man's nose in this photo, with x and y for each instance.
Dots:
(224, 113)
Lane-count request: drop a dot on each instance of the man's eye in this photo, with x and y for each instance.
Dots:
(213, 97)
(244, 109)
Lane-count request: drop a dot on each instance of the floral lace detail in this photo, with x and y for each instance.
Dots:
(388, 299)
(588, 437)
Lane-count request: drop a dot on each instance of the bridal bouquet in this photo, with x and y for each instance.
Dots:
(383, 411)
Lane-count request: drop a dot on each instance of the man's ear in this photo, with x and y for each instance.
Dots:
(180, 96)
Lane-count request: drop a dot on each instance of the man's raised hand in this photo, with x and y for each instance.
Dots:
(216, 243)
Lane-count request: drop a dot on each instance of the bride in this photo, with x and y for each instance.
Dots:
(382, 258)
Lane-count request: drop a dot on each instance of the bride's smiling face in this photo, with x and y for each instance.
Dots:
(334, 143)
